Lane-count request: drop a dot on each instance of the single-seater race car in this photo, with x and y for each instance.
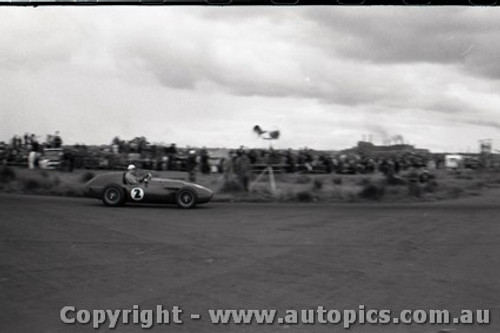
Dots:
(115, 189)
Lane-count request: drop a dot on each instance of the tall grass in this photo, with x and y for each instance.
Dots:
(372, 191)
(290, 187)
(7, 174)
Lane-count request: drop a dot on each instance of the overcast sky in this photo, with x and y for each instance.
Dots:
(324, 76)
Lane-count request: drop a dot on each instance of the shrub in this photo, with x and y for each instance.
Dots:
(352, 197)
(372, 191)
(57, 181)
(455, 191)
(7, 174)
(478, 185)
(414, 189)
(305, 196)
(44, 173)
(395, 180)
(87, 176)
(231, 185)
(31, 184)
(364, 182)
(395, 191)
(337, 180)
(464, 176)
(317, 184)
(430, 186)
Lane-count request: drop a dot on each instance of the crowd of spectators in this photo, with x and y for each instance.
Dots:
(29, 150)
(310, 161)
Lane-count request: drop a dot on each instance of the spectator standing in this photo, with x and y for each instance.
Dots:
(413, 182)
(243, 169)
(204, 163)
(26, 140)
(14, 142)
(68, 160)
(171, 156)
(227, 167)
(191, 165)
(57, 141)
(33, 155)
(49, 141)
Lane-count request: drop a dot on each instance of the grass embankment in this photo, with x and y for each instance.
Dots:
(355, 188)
(44, 182)
(288, 187)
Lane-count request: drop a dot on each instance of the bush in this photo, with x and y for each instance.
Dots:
(305, 196)
(455, 191)
(463, 176)
(478, 185)
(317, 184)
(337, 180)
(87, 176)
(364, 182)
(431, 186)
(7, 174)
(44, 173)
(414, 189)
(31, 184)
(372, 191)
(396, 192)
(231, 185)
(57, 181)
(395, 181)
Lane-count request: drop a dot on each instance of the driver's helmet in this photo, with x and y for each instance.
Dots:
(131, 167)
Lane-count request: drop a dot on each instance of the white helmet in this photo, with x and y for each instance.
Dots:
(131, 167)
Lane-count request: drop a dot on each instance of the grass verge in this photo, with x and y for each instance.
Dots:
(288, 187)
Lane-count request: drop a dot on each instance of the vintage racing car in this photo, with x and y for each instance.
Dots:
(114, 190)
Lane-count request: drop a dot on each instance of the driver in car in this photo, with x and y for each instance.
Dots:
(132, 176)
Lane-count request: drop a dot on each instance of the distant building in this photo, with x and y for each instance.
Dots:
(369, 149)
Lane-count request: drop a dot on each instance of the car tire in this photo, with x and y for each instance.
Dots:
(113, 196)
(185, 198)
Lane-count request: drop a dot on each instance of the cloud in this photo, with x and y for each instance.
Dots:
(465, 37)
(484, 123)
(397, 58)
(341, 72)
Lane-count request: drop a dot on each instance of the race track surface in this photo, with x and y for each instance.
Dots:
(66, 251)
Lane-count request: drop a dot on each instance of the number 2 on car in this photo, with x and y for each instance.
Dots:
(137, 193)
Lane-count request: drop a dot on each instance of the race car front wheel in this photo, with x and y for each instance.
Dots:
(113, 196)
(185, 198)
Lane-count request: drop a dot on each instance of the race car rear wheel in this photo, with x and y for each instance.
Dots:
(185, 198)
(113, 196)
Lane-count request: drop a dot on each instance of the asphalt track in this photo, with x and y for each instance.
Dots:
(66, 251)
